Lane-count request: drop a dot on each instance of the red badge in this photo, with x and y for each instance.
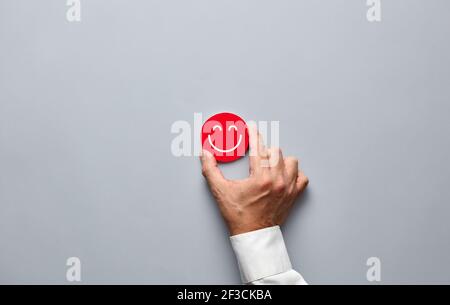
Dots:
(225, 135)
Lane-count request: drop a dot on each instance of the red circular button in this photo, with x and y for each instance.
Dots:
(225, 135)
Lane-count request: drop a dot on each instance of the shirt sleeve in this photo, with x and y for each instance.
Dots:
(263, 259)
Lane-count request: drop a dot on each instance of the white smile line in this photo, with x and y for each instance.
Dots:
(225, 150)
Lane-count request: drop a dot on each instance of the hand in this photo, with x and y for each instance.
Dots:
(262, 200)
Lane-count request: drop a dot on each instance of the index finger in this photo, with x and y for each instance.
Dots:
(258, 150)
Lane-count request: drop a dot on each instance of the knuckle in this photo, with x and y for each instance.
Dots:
(291, 160)
(279, 187)
(265, 183)
(274, 160)
(275, 151)
(306, 181)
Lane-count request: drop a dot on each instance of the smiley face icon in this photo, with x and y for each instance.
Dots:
(225, 135)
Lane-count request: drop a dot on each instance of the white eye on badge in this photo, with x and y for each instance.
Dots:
(217, 127)
(232, 127)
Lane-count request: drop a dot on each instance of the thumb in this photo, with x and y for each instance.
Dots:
(210, 170)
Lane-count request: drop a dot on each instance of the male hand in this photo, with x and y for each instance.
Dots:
(262, 200)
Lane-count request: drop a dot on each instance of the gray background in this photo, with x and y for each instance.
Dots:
(86, 110)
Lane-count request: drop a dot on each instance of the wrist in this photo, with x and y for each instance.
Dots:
(237, 229)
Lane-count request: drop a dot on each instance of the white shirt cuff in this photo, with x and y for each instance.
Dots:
(261, 253)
